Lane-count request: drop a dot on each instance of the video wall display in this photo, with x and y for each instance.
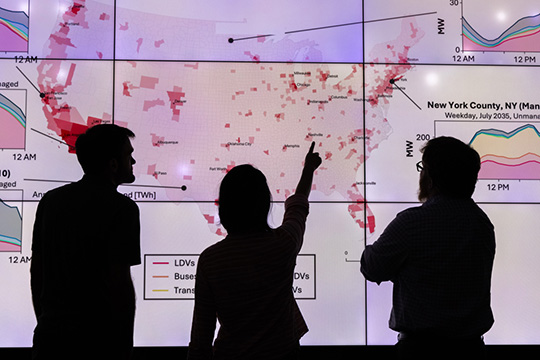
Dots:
(209, 85)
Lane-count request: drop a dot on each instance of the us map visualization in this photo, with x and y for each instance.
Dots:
(207, 86)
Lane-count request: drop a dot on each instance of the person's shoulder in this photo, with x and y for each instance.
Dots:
(59, 192)
(412, 211)
(214, 251)
(217, 247)
(480, 213)
(124, 199)
(124, 204)
(407, 218)
(444, 205)
(232, 245)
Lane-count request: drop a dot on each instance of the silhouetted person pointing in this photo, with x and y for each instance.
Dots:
(86, 238)
(245, 281)
(439, 257)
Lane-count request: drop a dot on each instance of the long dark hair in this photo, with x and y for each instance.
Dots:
(244, 200)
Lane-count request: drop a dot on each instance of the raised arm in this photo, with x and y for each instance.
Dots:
(311, 163)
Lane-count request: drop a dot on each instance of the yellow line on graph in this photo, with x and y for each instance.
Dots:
(160, 290)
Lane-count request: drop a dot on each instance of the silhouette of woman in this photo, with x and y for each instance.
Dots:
(245, 280)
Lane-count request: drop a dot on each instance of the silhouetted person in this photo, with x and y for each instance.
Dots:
(439, 257)
(86, 237)
(245, 280)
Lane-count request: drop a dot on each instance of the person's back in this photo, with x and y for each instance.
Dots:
(444, 282)
(86, 237)
(86, 292)
(439, 257)
(251, 280)
(245, 281)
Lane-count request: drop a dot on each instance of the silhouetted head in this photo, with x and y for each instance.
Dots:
(105, 150)
(244, 200)
(450, 168)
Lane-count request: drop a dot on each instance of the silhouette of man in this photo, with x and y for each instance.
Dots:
(85, 239)
(245, 280)
(439, 257)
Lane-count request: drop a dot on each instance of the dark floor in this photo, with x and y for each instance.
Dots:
(514, 352)
(356, 352)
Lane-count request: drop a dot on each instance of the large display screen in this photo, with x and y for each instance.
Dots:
(207, 85)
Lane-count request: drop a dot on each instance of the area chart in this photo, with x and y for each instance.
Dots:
(13, 31)
(509, 155)
(12, 125)
(10, 228)
(522, 36)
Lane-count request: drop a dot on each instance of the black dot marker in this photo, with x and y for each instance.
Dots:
(231, 40)
(392, 82)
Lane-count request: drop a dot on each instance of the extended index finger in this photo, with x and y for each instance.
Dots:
(311, 147)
